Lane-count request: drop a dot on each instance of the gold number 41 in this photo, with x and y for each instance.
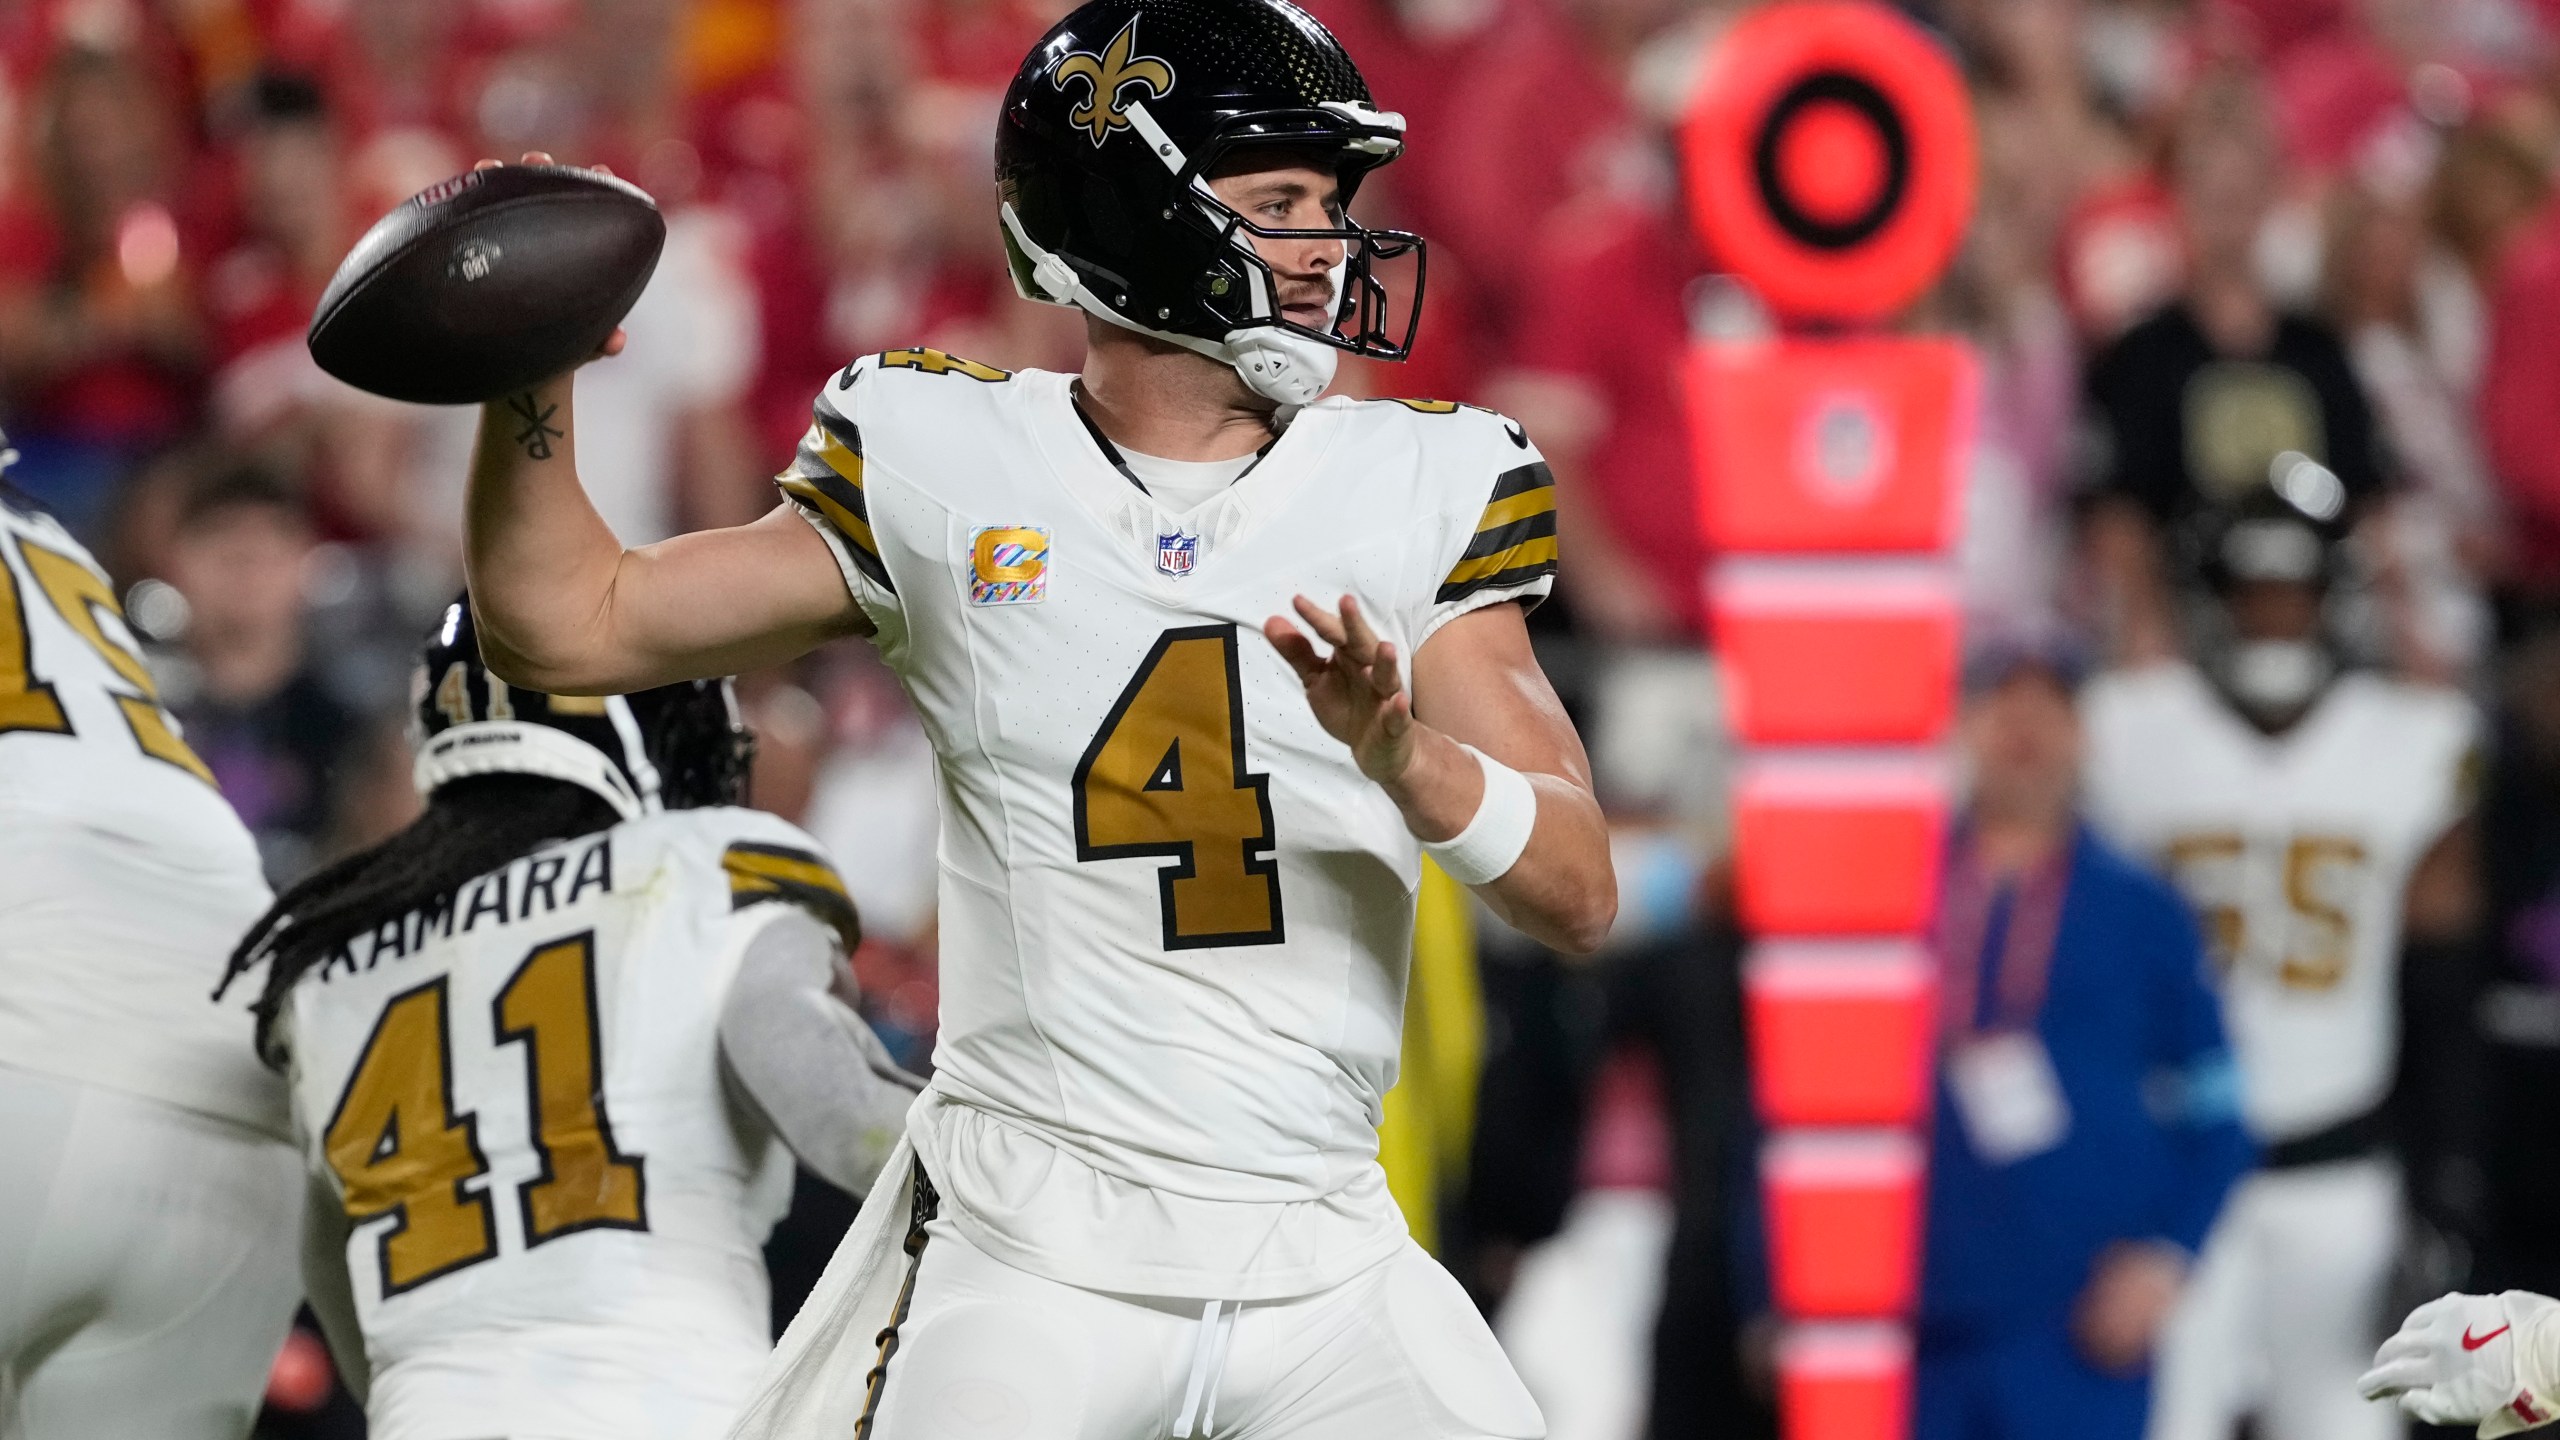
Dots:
(399, 1149)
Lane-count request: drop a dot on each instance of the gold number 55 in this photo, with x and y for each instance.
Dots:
(81, 597)
(2314, 931)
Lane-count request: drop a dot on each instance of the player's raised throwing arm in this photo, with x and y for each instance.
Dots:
(1516, 818)
(564, 609)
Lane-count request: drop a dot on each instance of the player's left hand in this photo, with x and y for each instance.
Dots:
(2454, 1363)
(1357, 691)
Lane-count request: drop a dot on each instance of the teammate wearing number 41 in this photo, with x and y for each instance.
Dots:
(1180, 837)
(2313, 815)
(546, 1047)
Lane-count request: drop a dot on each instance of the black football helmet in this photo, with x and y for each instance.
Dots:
(2290, 529)
(2288, 532)
(672, 748)
(1108, 134)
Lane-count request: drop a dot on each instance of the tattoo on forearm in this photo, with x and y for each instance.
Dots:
(538, 431)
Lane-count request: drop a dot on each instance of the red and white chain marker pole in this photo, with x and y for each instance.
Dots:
(1828, 154)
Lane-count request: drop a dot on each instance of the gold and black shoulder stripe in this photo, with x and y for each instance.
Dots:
(936, 362)
(1515, 539)
(758, 873)
(826, 476)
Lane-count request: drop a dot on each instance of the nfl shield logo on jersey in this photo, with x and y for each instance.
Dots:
(1176, 553)
(1009, 565)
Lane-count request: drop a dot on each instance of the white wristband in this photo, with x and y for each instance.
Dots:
(1491, 844)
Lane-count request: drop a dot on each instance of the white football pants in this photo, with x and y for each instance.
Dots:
(2284, 1310)
(989, 1352)
(150, 1261)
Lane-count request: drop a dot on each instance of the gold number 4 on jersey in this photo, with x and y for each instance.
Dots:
(80, 596)
(399, 1149)
(1165, 775)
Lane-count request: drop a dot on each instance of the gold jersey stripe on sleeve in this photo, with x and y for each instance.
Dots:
(1515, 539)
(935, 362)
(1521, 563)
(759, 873)
(1503, 513)
(826, 477)
(835, 442)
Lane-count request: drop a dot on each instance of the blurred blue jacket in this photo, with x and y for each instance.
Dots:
(2155, 1141)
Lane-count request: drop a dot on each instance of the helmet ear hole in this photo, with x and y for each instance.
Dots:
(1106, 218)
(1225, 291)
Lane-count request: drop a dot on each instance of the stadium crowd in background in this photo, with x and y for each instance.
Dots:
(2209, 231)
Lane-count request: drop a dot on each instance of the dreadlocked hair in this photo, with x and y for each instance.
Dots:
(471, 826)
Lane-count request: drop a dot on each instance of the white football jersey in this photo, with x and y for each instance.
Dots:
(1175, 918)
(2296, 851)
(555, 1209)
(125, 878)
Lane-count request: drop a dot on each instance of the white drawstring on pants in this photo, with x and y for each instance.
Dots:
(1208, 1367)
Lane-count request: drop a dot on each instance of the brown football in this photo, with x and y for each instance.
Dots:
(487, 283)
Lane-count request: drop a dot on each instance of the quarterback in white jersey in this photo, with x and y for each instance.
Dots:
(2295, 805)
(1158, 841)
(547, 1047)
(1180, 841)
(148, 1190)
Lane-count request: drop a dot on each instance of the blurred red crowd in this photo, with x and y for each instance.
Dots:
(182, 176)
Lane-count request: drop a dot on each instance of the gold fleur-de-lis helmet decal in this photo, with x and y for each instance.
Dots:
(1107, 76)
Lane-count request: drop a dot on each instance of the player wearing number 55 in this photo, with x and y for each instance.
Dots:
(1181, 837)
(147, 1184)
(547, 1048)
(2314, 814)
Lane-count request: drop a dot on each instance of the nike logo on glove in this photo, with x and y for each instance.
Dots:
(2469, 1342)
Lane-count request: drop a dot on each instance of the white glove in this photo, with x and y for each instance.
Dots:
(2465, 1358)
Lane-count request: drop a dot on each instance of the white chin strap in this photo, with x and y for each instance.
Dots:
(1283, 365)
(1279, 365)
